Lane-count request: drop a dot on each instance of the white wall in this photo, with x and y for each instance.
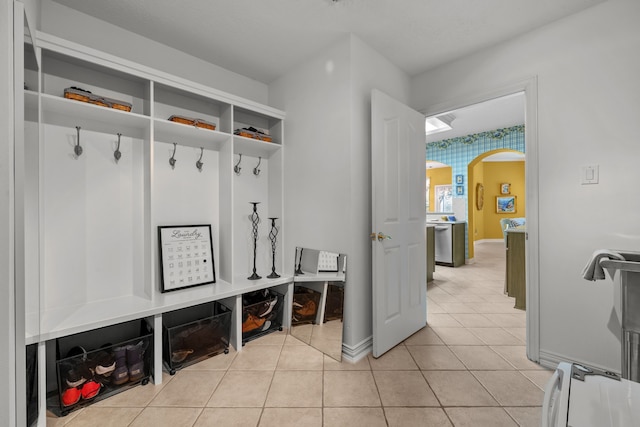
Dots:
(587, 67)
(327, 162)
(316, 97)
(75, 26)
(7, 323)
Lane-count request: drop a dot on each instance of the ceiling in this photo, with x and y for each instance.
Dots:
(263, 39)
(497, 113)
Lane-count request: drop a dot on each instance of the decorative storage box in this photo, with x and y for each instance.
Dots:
(253, 133)
(82, 95)
(94, 365)
(305, 305)
(262, 313)
(195, 333)
(335, 301)
(193, 122)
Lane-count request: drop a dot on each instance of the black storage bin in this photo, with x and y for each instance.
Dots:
(32, 384)
(262, 313)
(305, 305)
(94, 365)
(335, 302)
(195, 333)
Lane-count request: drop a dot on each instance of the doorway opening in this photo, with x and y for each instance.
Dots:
(525, 93)
(494, 175)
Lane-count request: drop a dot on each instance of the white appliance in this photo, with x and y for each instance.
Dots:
(577, 396)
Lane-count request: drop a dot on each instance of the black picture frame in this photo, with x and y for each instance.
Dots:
(186, 256)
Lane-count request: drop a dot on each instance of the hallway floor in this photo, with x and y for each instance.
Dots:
(466, 368)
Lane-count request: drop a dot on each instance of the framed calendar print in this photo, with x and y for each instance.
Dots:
(186, 256)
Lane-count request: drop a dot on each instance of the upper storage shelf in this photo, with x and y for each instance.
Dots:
(198, 120)
(256, 133)
(60, 72)
(107, 94)
(69, 113)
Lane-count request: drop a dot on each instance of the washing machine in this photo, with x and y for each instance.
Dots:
(577, 396)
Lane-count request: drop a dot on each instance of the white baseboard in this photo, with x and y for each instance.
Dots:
(354, 354)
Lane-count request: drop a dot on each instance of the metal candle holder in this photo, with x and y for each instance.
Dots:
(299, 269)
(273, 234)
(255, 219)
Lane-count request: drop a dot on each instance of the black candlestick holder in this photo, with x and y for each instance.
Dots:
(273, 234)
(299, 269)
(255, 219)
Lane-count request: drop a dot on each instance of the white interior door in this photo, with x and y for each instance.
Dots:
(398, 240)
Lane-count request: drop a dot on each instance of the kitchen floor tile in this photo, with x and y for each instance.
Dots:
(403, 417)
(301, 389)
(434, 357)
(510, 388)
(404, 388)
(350, 388)
(458, 388)
(480, 417)
(398, 358)
(242, 389)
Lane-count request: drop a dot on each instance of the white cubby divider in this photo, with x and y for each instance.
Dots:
(96, 216)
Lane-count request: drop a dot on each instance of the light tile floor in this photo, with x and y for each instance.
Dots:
(466, 368)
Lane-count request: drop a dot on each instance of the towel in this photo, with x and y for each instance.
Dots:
(593, 270)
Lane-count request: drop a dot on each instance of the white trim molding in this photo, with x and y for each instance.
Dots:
(528, 85)
(359, 351)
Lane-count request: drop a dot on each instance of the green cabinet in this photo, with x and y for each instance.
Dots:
(457, 238)
(431, 252)
(516, 277)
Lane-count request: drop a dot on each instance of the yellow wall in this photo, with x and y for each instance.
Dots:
(438, 176)
(494, 174)
(476, 223)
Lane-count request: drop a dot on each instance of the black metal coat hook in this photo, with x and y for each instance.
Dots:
(77, 149)
(172, 160)
(117, 154)
(256, 171)
(237, 167)
(199, 162)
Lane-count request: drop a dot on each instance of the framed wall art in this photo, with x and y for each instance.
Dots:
(505, 204)
(186, 256)
(505, 188)
(459, 190)
(459, 179)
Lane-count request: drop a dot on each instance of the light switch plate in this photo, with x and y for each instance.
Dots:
(589, 174)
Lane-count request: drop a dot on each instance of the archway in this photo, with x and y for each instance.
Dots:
(483, 221)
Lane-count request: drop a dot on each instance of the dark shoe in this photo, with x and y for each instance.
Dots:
(77, 375)
(74, 368)
(120, 374)
(104, 363)
(135, 362)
